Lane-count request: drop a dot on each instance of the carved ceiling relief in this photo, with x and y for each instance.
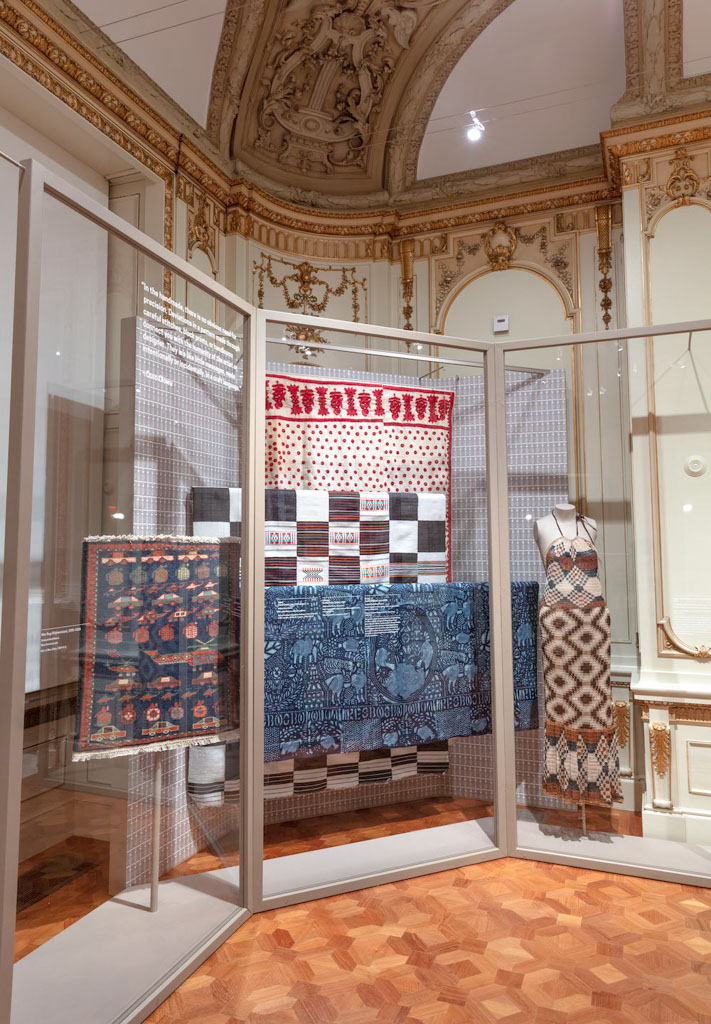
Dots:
(504, 246)
(324, 77)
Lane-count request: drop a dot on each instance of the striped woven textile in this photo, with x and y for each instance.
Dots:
(337, 537)
(213, 772)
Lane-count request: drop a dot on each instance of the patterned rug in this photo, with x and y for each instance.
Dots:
(159, 664)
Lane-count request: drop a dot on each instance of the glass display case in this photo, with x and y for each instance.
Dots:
(294, 606)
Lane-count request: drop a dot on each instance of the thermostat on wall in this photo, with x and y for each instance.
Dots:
(501, 324)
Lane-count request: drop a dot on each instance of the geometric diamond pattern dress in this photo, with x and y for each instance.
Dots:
(581, 756)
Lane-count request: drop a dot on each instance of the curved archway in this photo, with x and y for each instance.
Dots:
(534, 305)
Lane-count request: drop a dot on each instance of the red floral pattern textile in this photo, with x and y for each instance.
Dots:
(346, 436)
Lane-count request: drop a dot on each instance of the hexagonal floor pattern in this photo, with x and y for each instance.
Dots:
(506, 942)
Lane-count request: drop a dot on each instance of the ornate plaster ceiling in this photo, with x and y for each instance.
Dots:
(532, 101)
(327, 102)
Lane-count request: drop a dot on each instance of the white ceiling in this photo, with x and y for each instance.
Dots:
(542, 77)
(697, 37)
(173, 42)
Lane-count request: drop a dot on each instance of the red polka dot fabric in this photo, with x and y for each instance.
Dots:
(343, 435)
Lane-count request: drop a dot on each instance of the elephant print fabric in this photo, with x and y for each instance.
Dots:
(382, 666)
(366, 667)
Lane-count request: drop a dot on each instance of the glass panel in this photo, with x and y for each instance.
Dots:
(614, 765)
(9, 183)
(682, 446)
(378, 712)
(133, 652)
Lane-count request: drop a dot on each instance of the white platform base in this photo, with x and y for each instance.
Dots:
(104, 965)
(320, 868)
(681, 826)
(691, 861)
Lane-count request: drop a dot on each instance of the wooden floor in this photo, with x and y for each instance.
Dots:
(508, 941)
(90, 817)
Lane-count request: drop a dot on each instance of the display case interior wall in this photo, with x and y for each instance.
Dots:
(672, 386)
(113, 340)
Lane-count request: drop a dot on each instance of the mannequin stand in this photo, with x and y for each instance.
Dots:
(582, 814)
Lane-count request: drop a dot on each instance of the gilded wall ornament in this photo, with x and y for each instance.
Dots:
(621, 713)
(683, 183)
(306, 290)
(660, 747)
(500, 245)
(603, 223)
(407, 277)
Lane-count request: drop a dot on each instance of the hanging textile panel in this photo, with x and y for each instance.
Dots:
(159, 651)
(370, 667)
(330, 537)
(524, 620)
(348, 436)
(213, 772)
(377, 517)
(367, 667)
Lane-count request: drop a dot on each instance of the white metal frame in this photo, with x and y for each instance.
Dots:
(468, 347)
(505, 676)
(36, 182)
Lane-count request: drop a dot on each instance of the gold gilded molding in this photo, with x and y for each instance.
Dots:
(68, 64)
(407, 276)
(672, 642)
(683, 183)
(681, 713)
(690, 713)
(603, 224)
(621, 714)
(660, 747)
(646, 143)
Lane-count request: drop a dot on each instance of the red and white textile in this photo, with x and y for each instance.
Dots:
(348, 436)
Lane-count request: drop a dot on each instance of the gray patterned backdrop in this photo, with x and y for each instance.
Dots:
(187, 433)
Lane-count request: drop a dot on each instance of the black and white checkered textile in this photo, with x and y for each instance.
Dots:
(217, 511)
(346, 771)
(317, 537)
(213, 772)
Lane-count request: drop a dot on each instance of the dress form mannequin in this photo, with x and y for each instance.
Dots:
(564, 521)
(546, 530)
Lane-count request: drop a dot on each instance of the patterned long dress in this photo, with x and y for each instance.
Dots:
(581, 754)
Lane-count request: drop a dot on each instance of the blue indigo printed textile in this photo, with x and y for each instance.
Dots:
(363, 667)
(366, 666)
(524, 616)
(159, 654)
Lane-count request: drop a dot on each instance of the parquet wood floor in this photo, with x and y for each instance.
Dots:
(509, 941)
(93, 817)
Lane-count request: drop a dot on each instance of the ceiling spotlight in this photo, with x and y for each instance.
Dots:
(476, 129)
